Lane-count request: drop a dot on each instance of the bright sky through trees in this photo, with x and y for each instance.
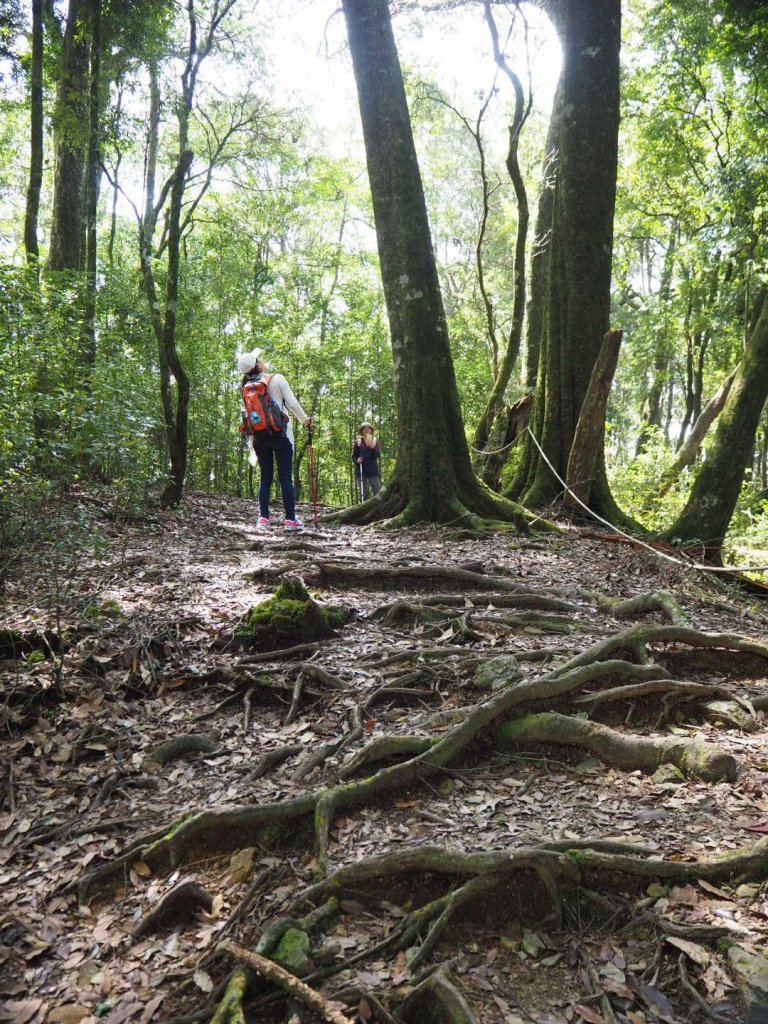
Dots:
(312, 67)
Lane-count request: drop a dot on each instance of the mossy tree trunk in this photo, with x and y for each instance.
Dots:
(707, 513)
(576, 312)
(433, 479)
(36, 120)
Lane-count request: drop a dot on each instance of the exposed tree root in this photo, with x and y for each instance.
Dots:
(696, 760)
(436, 1001)
(230, 1009)
(178, 904)
(499, 600)
(357, 575)
(658, 601)
(385, 748)
(272, 759)
(226, 829)
(636, 640)
(180, 746)
(653, 686)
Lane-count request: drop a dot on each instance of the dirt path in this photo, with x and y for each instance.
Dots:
(128, 708)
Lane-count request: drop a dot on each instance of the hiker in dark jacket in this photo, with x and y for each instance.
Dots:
(365, 455)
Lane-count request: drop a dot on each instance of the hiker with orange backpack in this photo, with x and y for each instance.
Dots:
(265, 397)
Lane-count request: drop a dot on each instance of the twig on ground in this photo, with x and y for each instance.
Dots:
(273, 972)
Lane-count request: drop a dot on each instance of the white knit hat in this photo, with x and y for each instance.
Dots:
(247, 360)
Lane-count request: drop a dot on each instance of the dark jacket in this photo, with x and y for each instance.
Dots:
(370, 457)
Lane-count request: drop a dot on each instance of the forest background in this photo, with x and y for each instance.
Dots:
(183, 182)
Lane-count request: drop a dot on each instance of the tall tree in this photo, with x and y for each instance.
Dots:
(35, 135)
(70, 120)
(576, 314)
(433, 479)
(490, 463)
(704, 521)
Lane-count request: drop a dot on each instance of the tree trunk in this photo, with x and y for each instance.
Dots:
(433, 479)
(71, 133)
(651, 415)
(578, 293)
(590, 430)
(704, 521)
(88, 354)
(35, 136)
(489, 471)
(690, 448)
(541, 245)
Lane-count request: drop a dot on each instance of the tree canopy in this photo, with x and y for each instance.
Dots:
(201, 213)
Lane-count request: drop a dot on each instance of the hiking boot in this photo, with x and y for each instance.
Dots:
(263, 523)
(293, 525)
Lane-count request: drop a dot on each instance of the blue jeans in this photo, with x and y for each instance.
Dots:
(268, 450)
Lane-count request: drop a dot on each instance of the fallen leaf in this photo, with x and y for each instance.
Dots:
(657, 1002)
(760, 826)
(364, 1010)
(142, 869)
(708, 887)
(71, 1013)
(203, 980)
(697, 953)
(588, 1014)
(22, 1010)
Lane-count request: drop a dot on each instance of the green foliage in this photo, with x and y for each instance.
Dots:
(635, 479)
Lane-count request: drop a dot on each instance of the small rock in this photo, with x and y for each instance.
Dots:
(498, 672)
(751, 977)
(292, 952)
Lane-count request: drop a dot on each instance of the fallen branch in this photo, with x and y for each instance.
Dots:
(273, 972)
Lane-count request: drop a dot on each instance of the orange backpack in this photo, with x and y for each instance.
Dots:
(263, 416)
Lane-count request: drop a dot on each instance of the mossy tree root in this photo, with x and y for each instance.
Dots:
(230, 1009)
(696, 760)
(226, 830)
(657, 601)
(385, 748)
(632, 691)
(639, 638)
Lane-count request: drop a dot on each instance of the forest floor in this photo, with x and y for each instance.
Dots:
(590, 888)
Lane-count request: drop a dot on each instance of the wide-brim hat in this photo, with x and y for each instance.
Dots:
(365, 423)
(247, 360)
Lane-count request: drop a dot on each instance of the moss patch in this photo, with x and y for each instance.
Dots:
(290, 617)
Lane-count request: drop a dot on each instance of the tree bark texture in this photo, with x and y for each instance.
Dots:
(707, 514)
(578, 288)
(35, 136)
(433, 471)
(93, 173)
(541, 245)
(693, 442)
(71, 134)
(590, 430)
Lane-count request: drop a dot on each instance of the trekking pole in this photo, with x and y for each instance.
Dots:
(361, 489)
(312, 476)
